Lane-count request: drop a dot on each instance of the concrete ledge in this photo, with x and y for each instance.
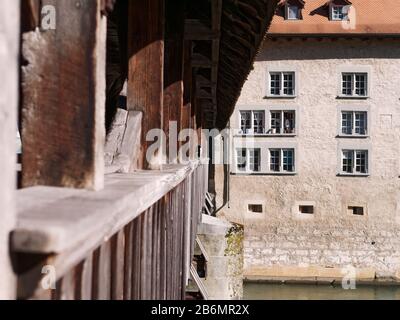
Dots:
(301, 274)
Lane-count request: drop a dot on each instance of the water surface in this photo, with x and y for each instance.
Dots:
(265, 291)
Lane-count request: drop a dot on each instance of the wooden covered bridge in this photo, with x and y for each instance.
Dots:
(117, 226)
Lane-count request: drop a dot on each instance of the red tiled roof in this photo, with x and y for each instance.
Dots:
(379, 17)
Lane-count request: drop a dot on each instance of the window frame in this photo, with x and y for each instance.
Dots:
(281, 88)
(353, 152)
(348, 68)
(248, 165)
(287, 10)
(281, 159)
(354, 89)
(345, 12)
(251, 130)
(353, 110)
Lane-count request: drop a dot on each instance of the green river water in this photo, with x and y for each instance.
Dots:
(261, 291)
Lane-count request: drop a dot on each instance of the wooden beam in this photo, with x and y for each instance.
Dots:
(173, 75)
(63, 99)
(9, 57)
(146, 64)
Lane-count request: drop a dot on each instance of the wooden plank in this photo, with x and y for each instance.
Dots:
(128, 265)
(117, 266)
(63, 98)
(186, 122)
(136, 258)
(9, 58)
(173, 75)
(145, 75)
(102, 272)
(54, 220)
(85, 278)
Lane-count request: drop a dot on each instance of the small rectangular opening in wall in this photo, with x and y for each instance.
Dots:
(357, 211)
(303, 209)
(255, 208)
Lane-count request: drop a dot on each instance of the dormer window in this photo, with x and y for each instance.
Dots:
(292, 12)
(293, 9)
(339, 10)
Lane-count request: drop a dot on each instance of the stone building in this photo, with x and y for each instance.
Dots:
(315, 151)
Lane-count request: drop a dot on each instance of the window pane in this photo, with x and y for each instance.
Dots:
(275, 83)
(276, 123)
(288, 83)
(275, 160)
(241, 159)
(245, 121)
(360, 122)
(289, 121)
(347, 122)
(288, 160)
(255, 160)
(347, 88)
(348, 161)
(361, 84)
(362, 161)
(293, 12)
(339, 13)
(258, 121)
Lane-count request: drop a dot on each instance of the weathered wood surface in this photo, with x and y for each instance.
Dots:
(52, 220)
(146, 64)
(9, 44)
(131, 257)
(63, 98)
(173, 77)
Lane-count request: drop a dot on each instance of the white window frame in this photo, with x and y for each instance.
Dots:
(287, 16)
(282, 113)
(281, 84)
(251, 130)
(353, 85)
(281, 160)
(354, 109)
(353, 123)
(248, 157)
(354, 161)
(345, 12)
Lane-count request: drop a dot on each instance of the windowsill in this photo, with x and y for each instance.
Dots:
(340, 97)
(264, 173)
(354, 175)
(266, 135)
(353, 136)
(280, 97)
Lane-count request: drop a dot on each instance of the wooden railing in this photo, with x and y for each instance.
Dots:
(133, 240)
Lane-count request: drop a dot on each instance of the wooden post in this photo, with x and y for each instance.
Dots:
(146, 64)
(173, 75)
(9, 47)
(63, 98)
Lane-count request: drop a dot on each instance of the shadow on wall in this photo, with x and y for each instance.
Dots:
(317, 49)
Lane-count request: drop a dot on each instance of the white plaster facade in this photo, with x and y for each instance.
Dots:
(332, 237)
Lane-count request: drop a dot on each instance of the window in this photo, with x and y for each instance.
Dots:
(245, 121)
(249, 160)
(258, 121)
(282, 160)
(354, 123)
(252, 122)
(357, 211)
(339, 12)
(283, 122)
(241, 159)
(355, 161)
(303, 209)
(282, 84)
(355, 84)
(255, 208)
(292, 12)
